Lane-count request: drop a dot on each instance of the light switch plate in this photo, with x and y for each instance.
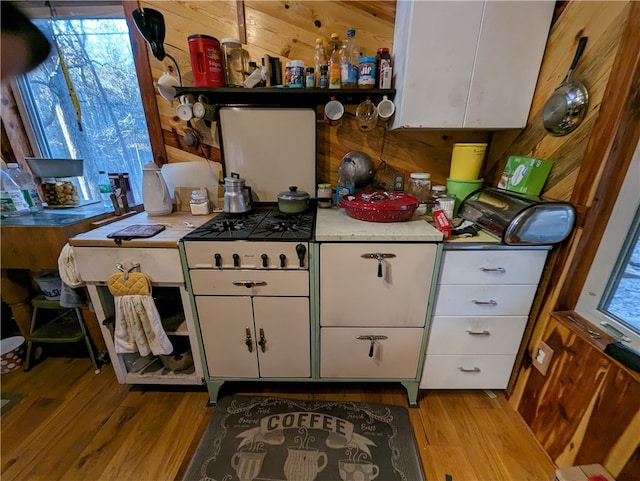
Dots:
(542, 357)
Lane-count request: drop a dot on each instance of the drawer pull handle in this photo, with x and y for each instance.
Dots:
(490, 302)
(249, 284)
(475, 369)
(263, 341)
(379, 257)
(478, 333)
(373, 340)
(502, 270)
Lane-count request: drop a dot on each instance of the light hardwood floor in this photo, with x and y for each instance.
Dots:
(75, 425)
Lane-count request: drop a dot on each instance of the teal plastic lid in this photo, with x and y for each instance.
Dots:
(367, 59)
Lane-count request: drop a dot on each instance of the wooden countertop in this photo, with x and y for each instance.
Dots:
(177, 225)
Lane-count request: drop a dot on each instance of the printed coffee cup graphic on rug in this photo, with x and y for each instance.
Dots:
(357, 470)
(304, 464)
(248, 464)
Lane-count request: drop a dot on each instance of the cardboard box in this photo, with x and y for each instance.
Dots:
(582, 473)
(525, 175)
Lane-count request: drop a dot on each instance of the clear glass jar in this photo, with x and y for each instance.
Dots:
(233, 61)
(432, 201)
(199, 203)
(419, 186)
(325, 195)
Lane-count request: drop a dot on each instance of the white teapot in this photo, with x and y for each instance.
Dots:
(155, 194)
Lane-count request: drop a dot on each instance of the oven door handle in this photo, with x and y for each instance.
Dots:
(249, 284)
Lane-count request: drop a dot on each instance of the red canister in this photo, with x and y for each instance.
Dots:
(206, 61)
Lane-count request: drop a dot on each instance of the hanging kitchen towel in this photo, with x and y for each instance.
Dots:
(72, 293)
(138, 325)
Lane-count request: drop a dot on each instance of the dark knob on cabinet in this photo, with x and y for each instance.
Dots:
(236, 260)
(301, 250)
(218, 258)
(265, 260)
(283, 261)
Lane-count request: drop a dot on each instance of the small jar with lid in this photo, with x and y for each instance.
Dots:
(199, 203)
(325, 195)
(324, 77)
(420, 185)
(297, 74)
(436, 192)
(233, 61)
(367, 73)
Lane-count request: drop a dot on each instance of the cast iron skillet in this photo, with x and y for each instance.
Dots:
(567, 106)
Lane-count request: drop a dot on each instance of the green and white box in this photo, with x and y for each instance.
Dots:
(525, 175)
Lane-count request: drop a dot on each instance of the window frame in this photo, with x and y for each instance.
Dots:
(598, 278)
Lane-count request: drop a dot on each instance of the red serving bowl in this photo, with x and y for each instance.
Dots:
(380, 206)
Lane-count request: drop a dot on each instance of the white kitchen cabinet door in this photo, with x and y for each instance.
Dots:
(459, 371)
(476, 335)
(352, 294)
(467, 64)
(492, 267)
(224, 324)
(347, 353)
(285, 325)
(479, 300)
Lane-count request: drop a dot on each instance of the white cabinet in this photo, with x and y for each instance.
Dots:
(245, 337)
(482, 304)
(374, 300)
(467, 64)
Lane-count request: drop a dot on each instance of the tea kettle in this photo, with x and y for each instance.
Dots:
(155, 194)
(237, 197)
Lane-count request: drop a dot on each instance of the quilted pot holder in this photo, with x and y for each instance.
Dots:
(129, 284)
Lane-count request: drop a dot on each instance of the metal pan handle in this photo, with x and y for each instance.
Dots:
(581, 45)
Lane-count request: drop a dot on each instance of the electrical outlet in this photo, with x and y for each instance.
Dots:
(542, 358)
(398, 183)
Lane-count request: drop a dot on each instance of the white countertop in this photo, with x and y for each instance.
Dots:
(334, 224)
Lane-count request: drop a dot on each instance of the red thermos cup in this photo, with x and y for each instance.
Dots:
(206, 61)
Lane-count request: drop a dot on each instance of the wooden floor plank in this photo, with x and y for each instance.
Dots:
(87, 427)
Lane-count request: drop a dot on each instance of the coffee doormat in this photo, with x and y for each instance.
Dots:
(253, 438)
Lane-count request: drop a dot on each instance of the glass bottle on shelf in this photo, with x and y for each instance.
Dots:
(334, 63)
(320, 59)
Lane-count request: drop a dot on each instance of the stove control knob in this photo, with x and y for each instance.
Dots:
(265, 260)
(283, 261)
(301, 250)
(236, 260)
(218, 258)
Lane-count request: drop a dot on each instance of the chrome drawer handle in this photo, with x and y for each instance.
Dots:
(379, 256)
(485, 303)
(476, 333)
(373, 340)
(475, 369)
(249, 284)
(493, 269)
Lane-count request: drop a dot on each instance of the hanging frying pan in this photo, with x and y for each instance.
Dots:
(567, 106)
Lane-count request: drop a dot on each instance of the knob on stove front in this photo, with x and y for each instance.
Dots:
(283, 261)
(236, 260)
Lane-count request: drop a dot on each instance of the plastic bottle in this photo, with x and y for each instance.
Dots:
(334, 63)
(346, 179)
(320, 58)
(104, 184)
(287, 73)
(12, 202)
(349, 60)
(27, 186)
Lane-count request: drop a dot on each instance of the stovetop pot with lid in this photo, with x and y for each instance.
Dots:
(293, 201)
(237, 196)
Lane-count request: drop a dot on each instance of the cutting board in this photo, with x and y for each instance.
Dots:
(193, 174)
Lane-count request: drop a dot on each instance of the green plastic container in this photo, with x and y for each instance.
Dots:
(462, 188)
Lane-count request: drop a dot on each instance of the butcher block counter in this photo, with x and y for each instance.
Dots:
(177, 225)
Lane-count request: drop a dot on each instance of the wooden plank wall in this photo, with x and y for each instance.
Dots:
(288, 29)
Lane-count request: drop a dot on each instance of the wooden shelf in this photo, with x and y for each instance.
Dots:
(283, 97)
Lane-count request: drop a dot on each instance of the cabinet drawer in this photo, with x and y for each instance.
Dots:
(477, 300)
(234, 282)
(475, 335)
(492, 267)
(343, 355)
(466, 372)
(352, 294)
(96, 264)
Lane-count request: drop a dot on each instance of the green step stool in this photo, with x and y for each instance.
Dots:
(66, 328)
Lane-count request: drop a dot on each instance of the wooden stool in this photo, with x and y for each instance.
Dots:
(68, 327)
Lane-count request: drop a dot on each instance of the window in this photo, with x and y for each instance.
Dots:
(112, 134)
(611, 295)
